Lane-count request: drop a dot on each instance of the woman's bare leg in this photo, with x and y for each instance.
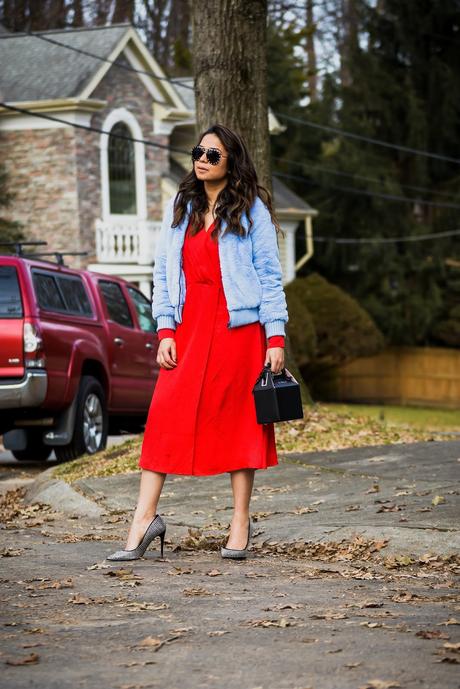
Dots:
(151, 485)
(242, 482)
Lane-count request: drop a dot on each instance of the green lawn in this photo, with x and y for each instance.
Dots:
(324, 427)
(417, 417)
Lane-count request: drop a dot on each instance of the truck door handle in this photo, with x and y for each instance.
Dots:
(119, 341)
(149, 345)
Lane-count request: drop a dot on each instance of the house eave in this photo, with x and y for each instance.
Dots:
(68, 112)
(167, 114)
(296, 213)
(55, 105)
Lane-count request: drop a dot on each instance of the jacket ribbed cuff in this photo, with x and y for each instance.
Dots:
(166, 322)
(275, 328)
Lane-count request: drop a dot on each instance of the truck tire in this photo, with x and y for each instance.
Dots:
(36, 450)
(91, 422)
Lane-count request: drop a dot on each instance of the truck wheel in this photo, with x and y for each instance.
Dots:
(36, 450)
(91, 422)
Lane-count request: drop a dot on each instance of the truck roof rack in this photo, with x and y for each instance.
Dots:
(58, 255)
(18, 245)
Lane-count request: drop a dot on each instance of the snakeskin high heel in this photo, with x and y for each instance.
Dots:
(235, 553)
(157, 527)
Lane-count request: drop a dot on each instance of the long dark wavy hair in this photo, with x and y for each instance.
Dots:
(234, 199)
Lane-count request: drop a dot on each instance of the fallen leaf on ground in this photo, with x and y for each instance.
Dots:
(25, 660)
(143, 605)
(197, 591)
(438, 500)
(11, 552)
(180, 570)
(282, 622)
(329, 615)
(455, 647)
(283, 606)
(432, 634)
(125, 574)
(99, 565)
(151, 641)
(79, 599)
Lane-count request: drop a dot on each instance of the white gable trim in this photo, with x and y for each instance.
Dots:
(161, 90)
(123, 115)
(71, 110)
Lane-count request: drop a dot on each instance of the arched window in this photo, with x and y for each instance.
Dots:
(122, 172)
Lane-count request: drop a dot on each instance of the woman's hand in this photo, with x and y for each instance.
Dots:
(166, 355)
(275, 355)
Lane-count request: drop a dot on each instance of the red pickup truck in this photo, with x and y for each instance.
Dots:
(77, 357)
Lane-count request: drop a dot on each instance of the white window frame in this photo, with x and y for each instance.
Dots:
(123, 115)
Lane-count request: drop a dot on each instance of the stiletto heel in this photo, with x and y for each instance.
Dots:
(162, 537)
(235, 553)
(157, 527)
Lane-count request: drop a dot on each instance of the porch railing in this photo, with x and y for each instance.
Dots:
(126, 240)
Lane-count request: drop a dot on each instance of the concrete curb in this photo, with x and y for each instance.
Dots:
(61, 496)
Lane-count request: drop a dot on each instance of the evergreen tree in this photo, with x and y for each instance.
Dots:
(398, 81)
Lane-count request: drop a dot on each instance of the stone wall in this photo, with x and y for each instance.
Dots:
(55, 174)
(40, 165)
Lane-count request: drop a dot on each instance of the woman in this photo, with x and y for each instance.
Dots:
(221, 312)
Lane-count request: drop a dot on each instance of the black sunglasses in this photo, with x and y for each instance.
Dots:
(213, 155)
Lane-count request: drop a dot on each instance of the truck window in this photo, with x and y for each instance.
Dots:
(117, 306)
(61, 293)
(10, 293)
(47, 291)
(74, 292)
(144, 310)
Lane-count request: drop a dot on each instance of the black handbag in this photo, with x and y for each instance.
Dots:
(277, 396)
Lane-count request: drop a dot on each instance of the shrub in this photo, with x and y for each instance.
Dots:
(344, 330)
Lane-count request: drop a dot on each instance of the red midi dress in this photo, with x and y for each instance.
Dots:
(202, 417)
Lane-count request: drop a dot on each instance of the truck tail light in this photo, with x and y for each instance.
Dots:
(34, 355)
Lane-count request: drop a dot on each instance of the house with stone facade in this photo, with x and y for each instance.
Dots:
(93, 150)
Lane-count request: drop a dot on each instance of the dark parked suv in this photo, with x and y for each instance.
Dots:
(77, 357)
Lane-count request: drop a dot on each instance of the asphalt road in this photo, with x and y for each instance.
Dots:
(351, 582)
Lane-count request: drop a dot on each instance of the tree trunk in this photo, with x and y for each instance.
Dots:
(123, 12)
(348, 40)
(312, 76)
(229, 46)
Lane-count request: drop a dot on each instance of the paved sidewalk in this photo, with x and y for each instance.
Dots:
(352, 581)
(385, 492)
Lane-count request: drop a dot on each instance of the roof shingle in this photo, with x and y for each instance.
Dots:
(33, 69)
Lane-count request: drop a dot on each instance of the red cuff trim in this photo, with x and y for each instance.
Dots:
(165, 332)
(275, 341)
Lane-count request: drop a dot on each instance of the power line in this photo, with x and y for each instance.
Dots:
(360, 137)
(341, 173)
(364, 192)
(91, 129)
(128, 68)
(386, 240)
(148, 73)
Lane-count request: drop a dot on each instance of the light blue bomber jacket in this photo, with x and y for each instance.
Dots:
(250, 268)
